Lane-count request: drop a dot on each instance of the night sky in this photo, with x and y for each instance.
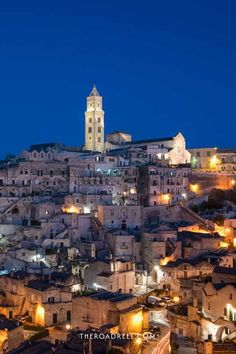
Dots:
(161, 66)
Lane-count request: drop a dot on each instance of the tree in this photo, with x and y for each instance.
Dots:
(219, 219)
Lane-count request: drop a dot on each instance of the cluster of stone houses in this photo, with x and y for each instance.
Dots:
(87, 234)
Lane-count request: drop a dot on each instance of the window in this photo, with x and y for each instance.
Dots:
(51, 173)
(198, 153)
(68, 315)
(90, 130)
(99, 140)
(209, 305)
(208, 153)
(230, 296)
(51, 299)
(54, 318)
(90, 120)
(99, 120)
(99, 129)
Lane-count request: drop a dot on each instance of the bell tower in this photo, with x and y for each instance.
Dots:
(94, 122)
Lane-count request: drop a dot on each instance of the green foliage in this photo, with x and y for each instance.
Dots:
(42, 334)
(31, 327)
(219, 219)
(217, 195)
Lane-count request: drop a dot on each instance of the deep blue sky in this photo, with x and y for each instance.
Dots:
(161, 66)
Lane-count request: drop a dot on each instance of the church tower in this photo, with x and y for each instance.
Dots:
(94, 122)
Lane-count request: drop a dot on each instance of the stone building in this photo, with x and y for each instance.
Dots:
(120, 311)
(163, 185)
(218, 308)
(114, 275)
(46, 302)
(120, 217)
(11, 335)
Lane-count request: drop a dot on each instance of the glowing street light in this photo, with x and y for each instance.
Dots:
(138, 341)
(214, 161)
(194, 188)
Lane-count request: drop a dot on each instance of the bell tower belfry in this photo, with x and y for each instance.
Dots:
(94, 122)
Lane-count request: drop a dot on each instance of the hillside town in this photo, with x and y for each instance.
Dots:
(118, 245)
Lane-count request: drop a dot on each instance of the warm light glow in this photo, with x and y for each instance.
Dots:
(194, 188)
(164, 261)
(137, 319)
(232, 182)
(224, 244)
(138, 341)
(214, 161)
(156, 268)
(176, 299)
(68, 327)
(234, 242)
(71, 210)
(132, 191)
(40, 314)
(166, 198)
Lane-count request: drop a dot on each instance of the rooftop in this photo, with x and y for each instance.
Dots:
(109, 296)
(225, 270)
(149, 141)
(38, 285)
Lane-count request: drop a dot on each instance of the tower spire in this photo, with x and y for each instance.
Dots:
(94, 91)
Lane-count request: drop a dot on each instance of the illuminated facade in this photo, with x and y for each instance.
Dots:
(94, 122)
